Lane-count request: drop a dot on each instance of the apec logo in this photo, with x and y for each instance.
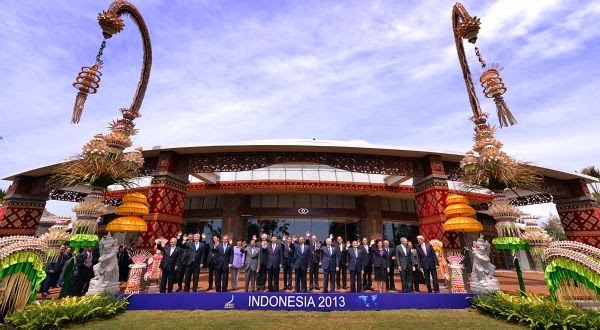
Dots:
(229, 304)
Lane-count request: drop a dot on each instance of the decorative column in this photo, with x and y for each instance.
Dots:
(166, 199)
(373, 222)
(23, 207)
(430, 197)
(232, 222)
(580, 215)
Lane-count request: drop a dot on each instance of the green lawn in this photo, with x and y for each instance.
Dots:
(415, 319)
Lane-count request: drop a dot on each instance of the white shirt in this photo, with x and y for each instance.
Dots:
(197, 245)
(330, 250)
(356, 252)
(301, 248)
(171, 251)
(424, 247)
(403, 249)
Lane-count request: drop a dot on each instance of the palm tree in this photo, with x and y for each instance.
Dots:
(2, 195)
(593, 172)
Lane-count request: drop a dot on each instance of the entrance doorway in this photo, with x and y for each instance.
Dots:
(347, 228)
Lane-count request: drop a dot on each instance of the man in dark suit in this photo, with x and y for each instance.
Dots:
(274, 263)
(391, 259)
(367, 263)
(261, 277)
(123, 260)
(405, 265)
(223, 258)
(340, 275)
(179, 274)
(331, 262)
(314, 262)
(210, 261)
(193, 261)
(429, 262)
(288, 263)
(301, 263)
(355, 266)
(85, 262)
(53, 270)
(170, 263)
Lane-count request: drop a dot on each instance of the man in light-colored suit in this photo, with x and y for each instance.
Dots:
(331, 262)
(252, 265)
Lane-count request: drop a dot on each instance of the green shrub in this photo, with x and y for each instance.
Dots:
(56, 313)
(535, 311)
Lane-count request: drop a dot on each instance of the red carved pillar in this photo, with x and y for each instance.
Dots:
(430, 199)
(23, 207)
(166, 198)
(580, 216)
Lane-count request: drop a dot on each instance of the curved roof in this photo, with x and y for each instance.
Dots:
(307, 145)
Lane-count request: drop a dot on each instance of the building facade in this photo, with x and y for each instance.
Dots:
(299, 187)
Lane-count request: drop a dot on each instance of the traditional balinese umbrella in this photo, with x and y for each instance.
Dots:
(459, 219)
(134, 205)
(459, 215)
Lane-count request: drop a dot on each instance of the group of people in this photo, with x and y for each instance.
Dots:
(79, 274)
(298, 258)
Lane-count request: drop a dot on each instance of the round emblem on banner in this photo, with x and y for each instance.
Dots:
(303, 211)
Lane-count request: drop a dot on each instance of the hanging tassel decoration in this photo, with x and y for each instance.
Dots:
(493, 87)
(505, 117)
(87, 82)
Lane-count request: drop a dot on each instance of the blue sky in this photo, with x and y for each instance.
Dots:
(385, 72)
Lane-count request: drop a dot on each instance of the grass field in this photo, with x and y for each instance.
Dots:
(415, 319)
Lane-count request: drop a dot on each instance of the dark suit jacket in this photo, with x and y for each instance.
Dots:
(428, 261)
(274, 257)
(389, 254)
(301, 259)
(355, 262)
(288, 254)
(367, 256)
(403, 260)
(264, 258)
(222, 257)
(80, 259)
(330, 260)
(316, 255)
(194, 257)
(170, 261)
(380, 260)
(343, 253)
(123, 259)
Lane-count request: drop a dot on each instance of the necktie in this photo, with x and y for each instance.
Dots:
(424, 249)
(302, 249)
(273, 247)
(171, 251)
(330, 250)
(224, 248)
(196, 246)
(356, 252)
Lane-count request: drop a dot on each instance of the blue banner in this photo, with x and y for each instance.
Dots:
(297, 301)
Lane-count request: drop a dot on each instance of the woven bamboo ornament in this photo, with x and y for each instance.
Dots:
(458, 214)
